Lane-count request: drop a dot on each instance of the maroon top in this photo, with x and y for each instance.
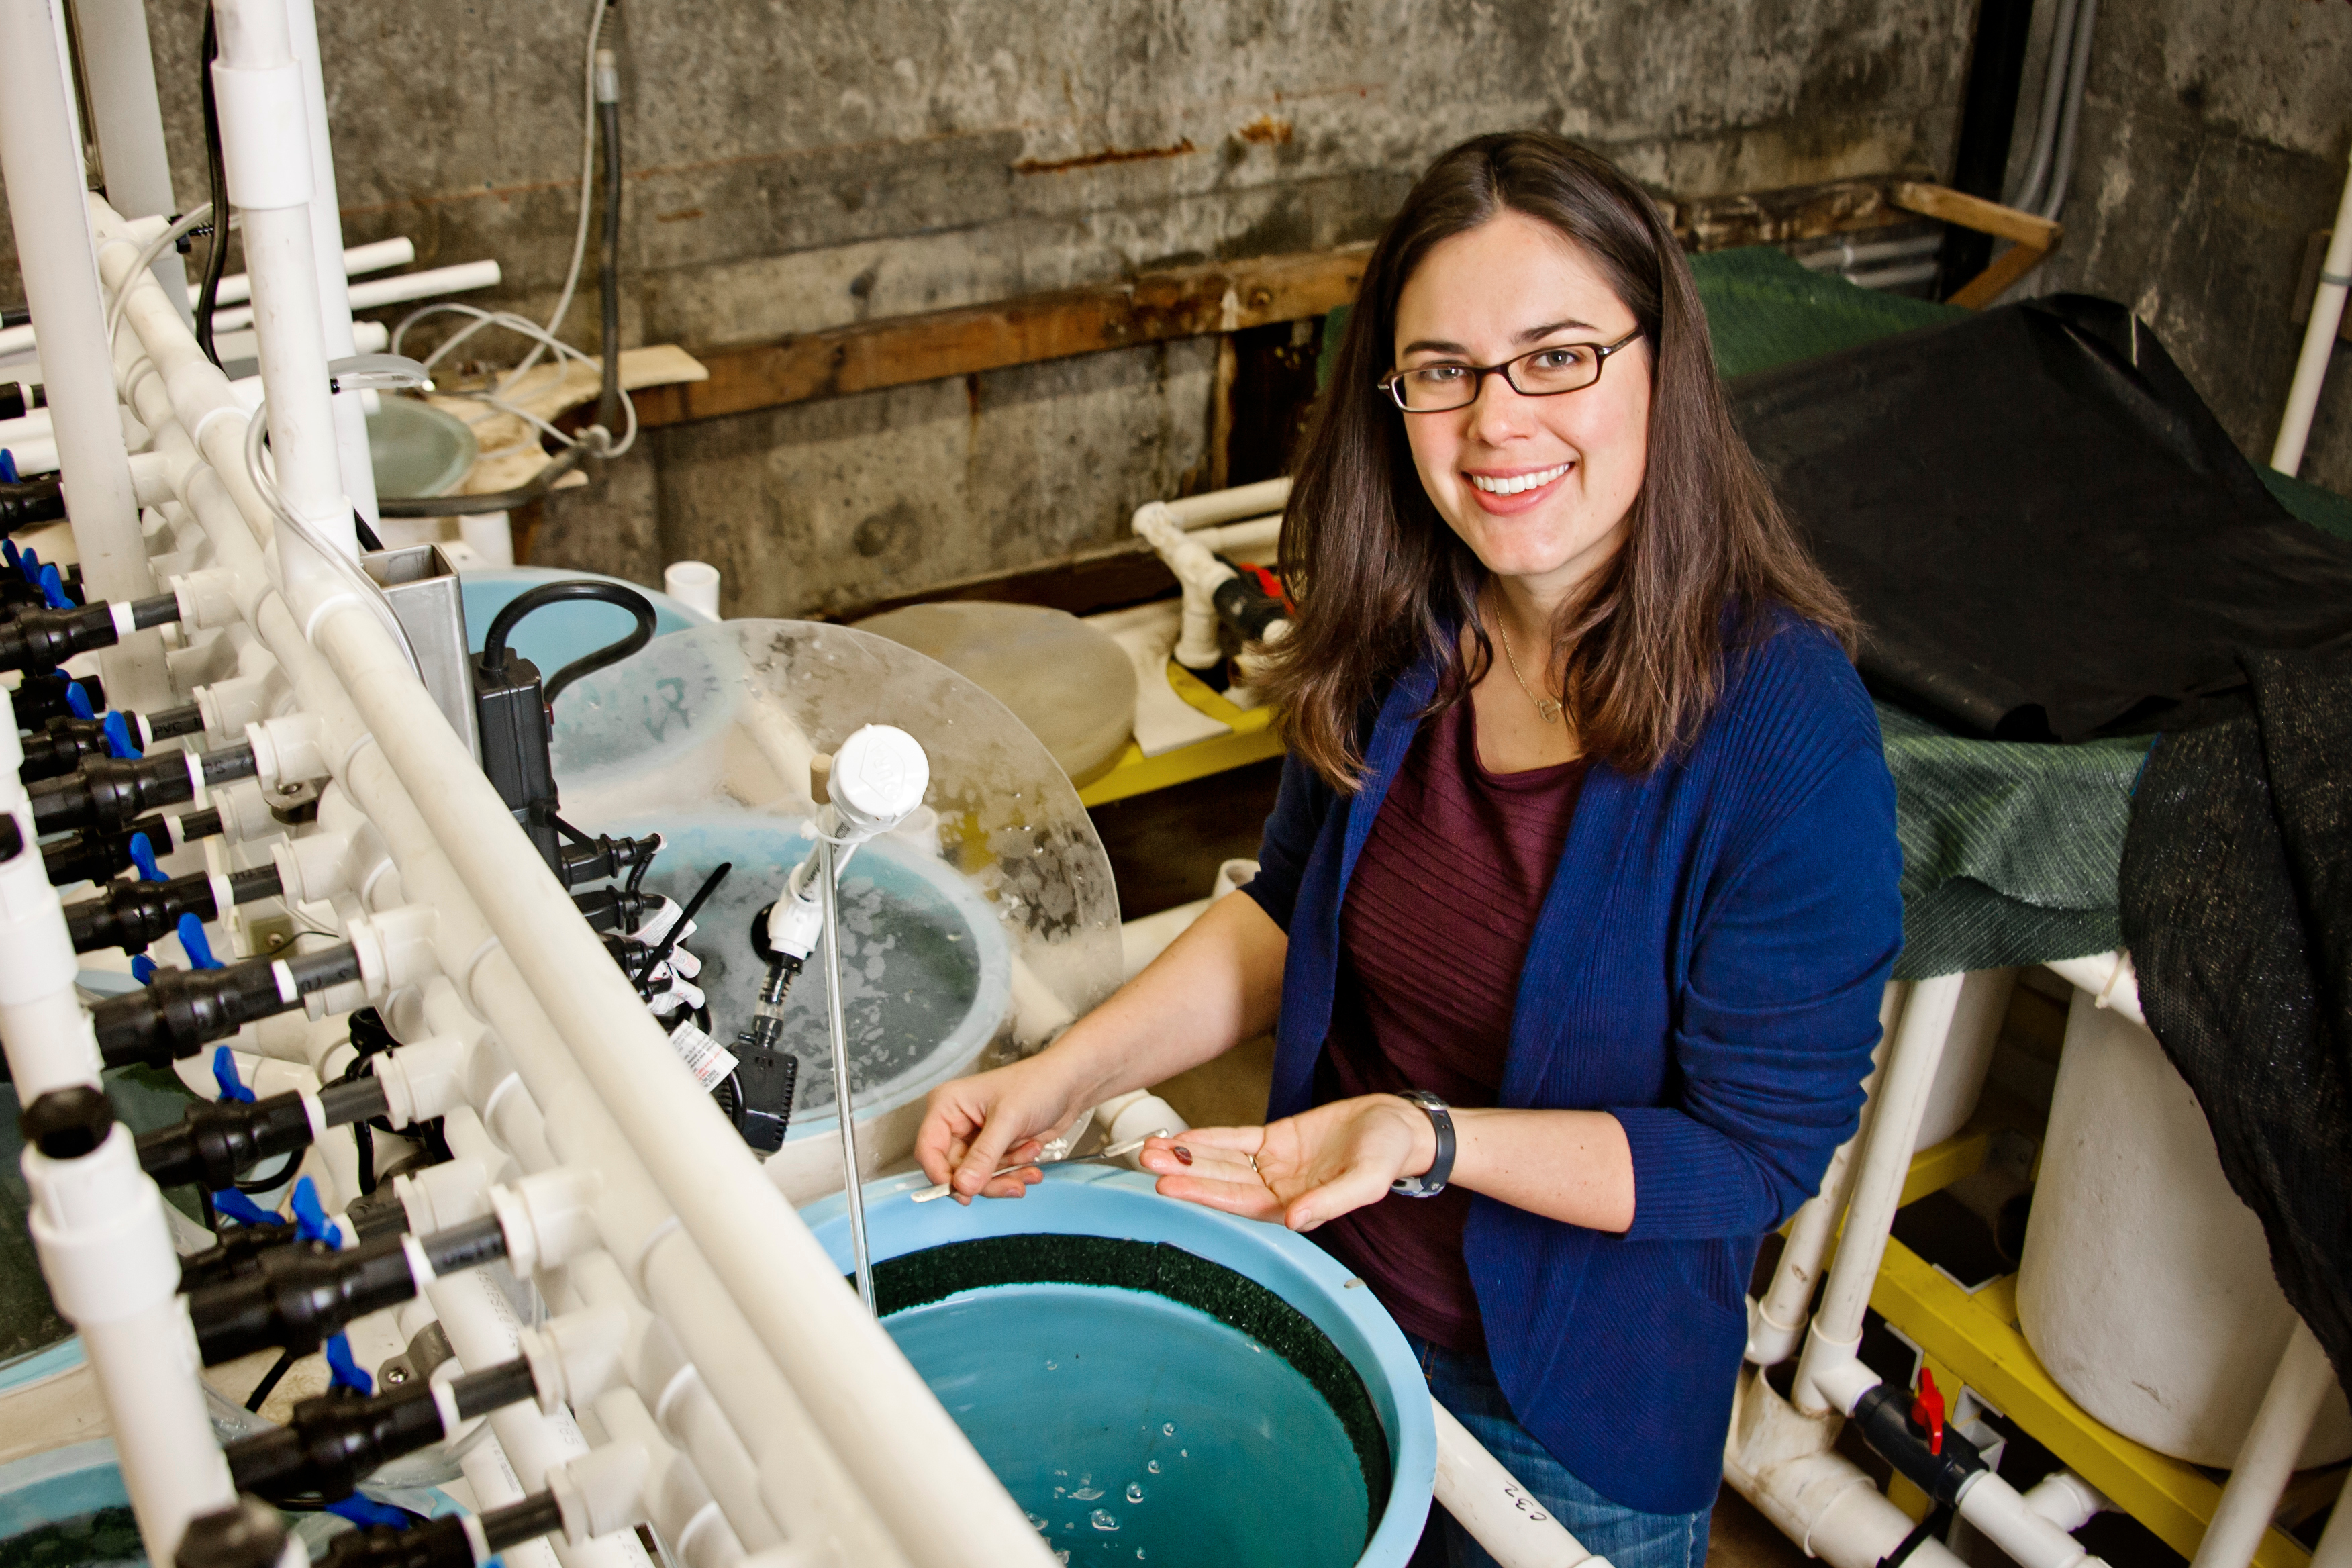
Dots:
(1433, 934)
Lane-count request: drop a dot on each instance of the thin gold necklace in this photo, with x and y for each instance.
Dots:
(1547, 707)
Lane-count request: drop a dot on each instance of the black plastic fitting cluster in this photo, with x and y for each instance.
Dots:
(329, 1444)
(180, 1011)
(130, 915)
(297, 1295)
(437, 1543)
(43, 639)
(108, 793)
(1885, 1417)
(41, 697)
(95, 854)
(27, 503)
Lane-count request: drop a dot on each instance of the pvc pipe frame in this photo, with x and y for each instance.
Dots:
(860, 1394)
(2318, 340)
(1489, 1503)
(2267, 1456)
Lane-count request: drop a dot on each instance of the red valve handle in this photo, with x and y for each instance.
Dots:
(1927, 1410)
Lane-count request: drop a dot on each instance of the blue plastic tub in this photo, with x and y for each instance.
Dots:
(554, 637)
(1133, 1428)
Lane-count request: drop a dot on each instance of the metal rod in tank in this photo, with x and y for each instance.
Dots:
(837, 1031)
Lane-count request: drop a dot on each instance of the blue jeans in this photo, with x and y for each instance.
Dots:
(1466, 1385)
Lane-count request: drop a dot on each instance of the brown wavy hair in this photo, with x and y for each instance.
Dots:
(1378, 575)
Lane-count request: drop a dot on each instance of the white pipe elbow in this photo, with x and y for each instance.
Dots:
(577, 1357)
(601, 1491)
(439, 1197)
(548, 1217)
(207, 599)
(395, 948)
(289, 750)
(423, 1079)
(2067, 1500)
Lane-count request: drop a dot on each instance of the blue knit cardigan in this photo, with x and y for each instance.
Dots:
(1707, 968)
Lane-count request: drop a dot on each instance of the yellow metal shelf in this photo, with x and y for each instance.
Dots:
(1254, 739)
(1977, 1338)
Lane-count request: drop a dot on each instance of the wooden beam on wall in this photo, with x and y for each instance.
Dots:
(1157, 306)
(900, 351)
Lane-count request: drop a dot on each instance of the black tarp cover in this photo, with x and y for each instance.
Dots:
(2047, 533)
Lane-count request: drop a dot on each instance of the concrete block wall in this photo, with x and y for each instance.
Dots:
(2214, 142)
(800, 165)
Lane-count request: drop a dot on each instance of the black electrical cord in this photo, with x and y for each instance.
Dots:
(608, 397)
(494, 646)
(217, 174)
(262, 1390)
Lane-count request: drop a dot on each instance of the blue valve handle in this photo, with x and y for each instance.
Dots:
(53, 589)
(191, 941)
(234, 1204)
(77, 701)
(8, 475)
(142, 968)
(142, 856)
(29, 562)
(310, 1221)
(225, 1074)
(119, 743)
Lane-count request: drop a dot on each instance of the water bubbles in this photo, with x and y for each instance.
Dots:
(1049, 1365)
(1181, 1453)
(1036, 1523)
(1085, 1490)
(1134, 1490)
(1063, 1556)
(1168, 1430)
(1151, 1465)
(1102, 1519)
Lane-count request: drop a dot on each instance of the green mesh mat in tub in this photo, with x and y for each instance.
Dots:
(1154, 1382)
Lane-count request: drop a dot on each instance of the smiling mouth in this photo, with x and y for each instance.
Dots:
(1517, 483)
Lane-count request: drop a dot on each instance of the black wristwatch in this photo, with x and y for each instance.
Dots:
(1432, 1182)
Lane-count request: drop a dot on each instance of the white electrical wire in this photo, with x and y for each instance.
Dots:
(187, 223)
(543, 340)
(257, 468)
(587, 189)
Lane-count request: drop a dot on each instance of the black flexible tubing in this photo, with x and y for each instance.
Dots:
(217, 173)
(608, 400)
(693, 907)
(269, 1384)
(571, 457)
(494, 646)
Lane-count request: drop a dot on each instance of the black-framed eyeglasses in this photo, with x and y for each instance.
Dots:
(1545, 372)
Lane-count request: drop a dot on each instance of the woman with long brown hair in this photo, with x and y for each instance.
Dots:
(1576, 952)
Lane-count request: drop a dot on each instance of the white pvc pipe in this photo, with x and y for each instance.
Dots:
(482, 1330)
(2066, 1500)
(2003, 1516)
(693, 582)
(106, 1250)
(325, 221)
(2318, 340)
(40, 160)
(2266, 1459)
(1224, 506)
(1777, 1323)
(380, 291)
(265, 146)
(1782, 1462)
(1903, 1087)
(358, 259)
(43, 1026)
(2335, 1548)
(888, 1431)
(1489, 1501)
(120, 67)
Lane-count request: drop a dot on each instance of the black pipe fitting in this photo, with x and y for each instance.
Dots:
(93, 855)
(1246, 607)
(60, 746)
(247, 1534)
(594, 859)
(216, 1139)
(442, 1542)
(107, 794)
(12, 839)
(238, 1254)
(29, 502)
(45, 638)
(330, 1443)
(296, 1296)
(66, 1124)
(180, 1011)
(41, 697)
(1883, 1415)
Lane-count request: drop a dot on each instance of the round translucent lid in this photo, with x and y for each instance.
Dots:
(708, 735)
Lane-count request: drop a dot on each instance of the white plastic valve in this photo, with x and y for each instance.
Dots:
(875, 782)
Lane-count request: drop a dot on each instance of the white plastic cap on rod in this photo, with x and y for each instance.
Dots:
(694, 582)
